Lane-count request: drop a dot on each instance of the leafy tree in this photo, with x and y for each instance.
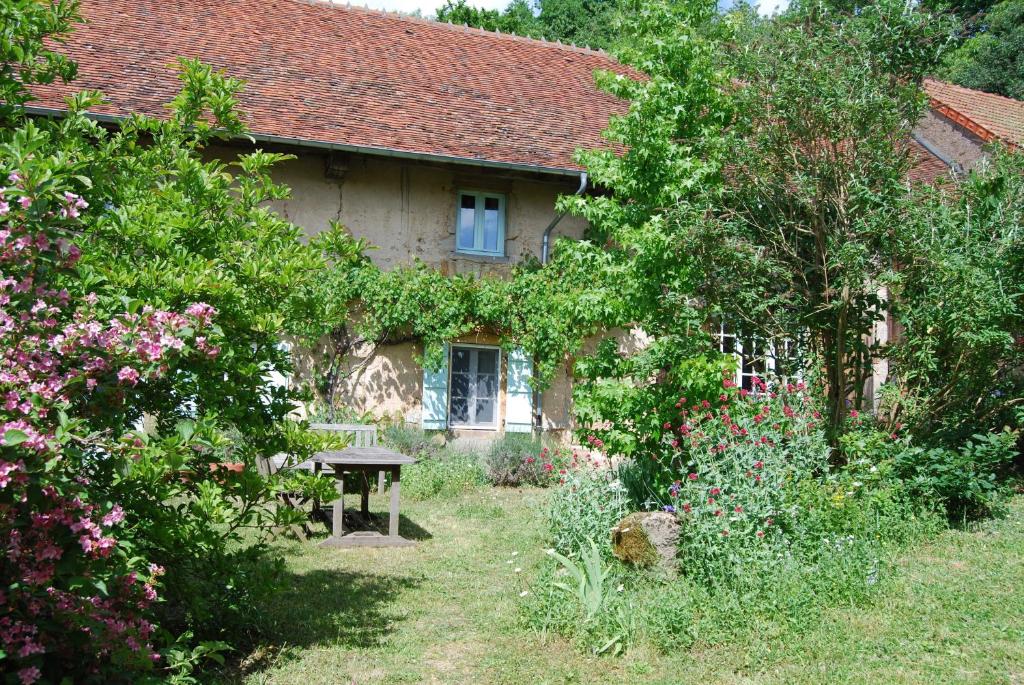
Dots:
(24, 57)
(665, 175)
(956, 365)
(132, 237)
(992, 58)
(804, 238)
(517, 18)
(593, 23)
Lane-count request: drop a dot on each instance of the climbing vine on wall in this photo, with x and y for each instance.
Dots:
(547, 310)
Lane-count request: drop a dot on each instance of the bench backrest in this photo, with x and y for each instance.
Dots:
(365, 435)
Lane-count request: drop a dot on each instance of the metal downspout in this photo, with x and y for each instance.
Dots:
(545, 252)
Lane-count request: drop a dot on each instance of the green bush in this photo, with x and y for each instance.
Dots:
(410, 440)
(448, 473)
(966, 481)
(586, 507)
(514, 460)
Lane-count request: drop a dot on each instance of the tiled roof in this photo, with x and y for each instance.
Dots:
(925, 166)
(986, 115)
(351, 77)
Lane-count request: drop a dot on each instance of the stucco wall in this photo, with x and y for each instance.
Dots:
(408, 210)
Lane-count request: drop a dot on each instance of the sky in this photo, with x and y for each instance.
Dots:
(428, 7)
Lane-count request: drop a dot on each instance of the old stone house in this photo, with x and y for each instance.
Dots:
(433, 142)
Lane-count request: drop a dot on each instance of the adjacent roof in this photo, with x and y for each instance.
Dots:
(988, 116)
(352, 78)
(926, 166)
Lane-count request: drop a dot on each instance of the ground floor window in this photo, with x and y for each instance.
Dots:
(474, 386)
(765, 360)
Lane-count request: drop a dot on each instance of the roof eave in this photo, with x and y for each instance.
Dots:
(345, 147)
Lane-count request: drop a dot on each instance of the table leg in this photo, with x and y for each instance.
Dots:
(395, 486)
(339, 505)
(364, 505)
(380, 482)
(316, 514)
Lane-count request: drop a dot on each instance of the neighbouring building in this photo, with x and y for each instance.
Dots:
(433, 142)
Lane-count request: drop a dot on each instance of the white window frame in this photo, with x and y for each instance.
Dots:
(480, 197)
(493, 426)
(722, 333)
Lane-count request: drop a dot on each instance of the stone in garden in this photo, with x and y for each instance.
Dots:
(647, 538)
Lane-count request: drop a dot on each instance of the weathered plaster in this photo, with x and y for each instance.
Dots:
(407, 211)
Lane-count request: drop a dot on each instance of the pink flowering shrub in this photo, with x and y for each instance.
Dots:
(74, 598)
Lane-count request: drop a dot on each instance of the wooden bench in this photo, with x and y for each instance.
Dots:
(363, 435)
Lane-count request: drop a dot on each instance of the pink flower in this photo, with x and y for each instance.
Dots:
(128, 375)
(201, 311)
(29, 675)
(692, 476)
(854, 413)
(115, 515)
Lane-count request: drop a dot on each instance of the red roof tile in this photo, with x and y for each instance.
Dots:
(351, 77)
(986, 115)
(925, 166)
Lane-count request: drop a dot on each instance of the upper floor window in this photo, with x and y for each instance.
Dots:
(481, 224)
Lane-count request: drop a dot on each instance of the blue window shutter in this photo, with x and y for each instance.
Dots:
(518, 393)
(435, 396)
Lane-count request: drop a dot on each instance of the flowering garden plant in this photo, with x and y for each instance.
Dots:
(75, 594)
(94, 508)
(730, 468)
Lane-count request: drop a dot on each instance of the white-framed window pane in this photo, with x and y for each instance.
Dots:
(467, 222)
(484, 412)
(460, 359)
(474, 386)
(487, 361)
(491, 218)
(480, 225)
(459, 410)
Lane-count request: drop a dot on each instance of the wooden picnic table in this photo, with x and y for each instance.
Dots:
(363, 460)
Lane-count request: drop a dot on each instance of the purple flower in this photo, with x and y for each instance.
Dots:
(670, 509)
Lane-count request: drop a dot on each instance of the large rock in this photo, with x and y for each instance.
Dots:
(647, 538)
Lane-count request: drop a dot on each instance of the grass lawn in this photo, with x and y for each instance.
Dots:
(447, 611)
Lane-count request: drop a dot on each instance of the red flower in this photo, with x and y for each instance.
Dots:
(738, 509)
(530, 460)
(667, 425)
(718, 512)
(760, 533)
(692, 476)
(687, 508)
(758, 464)
(854, 413)
(716, 491)
(548, 467)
